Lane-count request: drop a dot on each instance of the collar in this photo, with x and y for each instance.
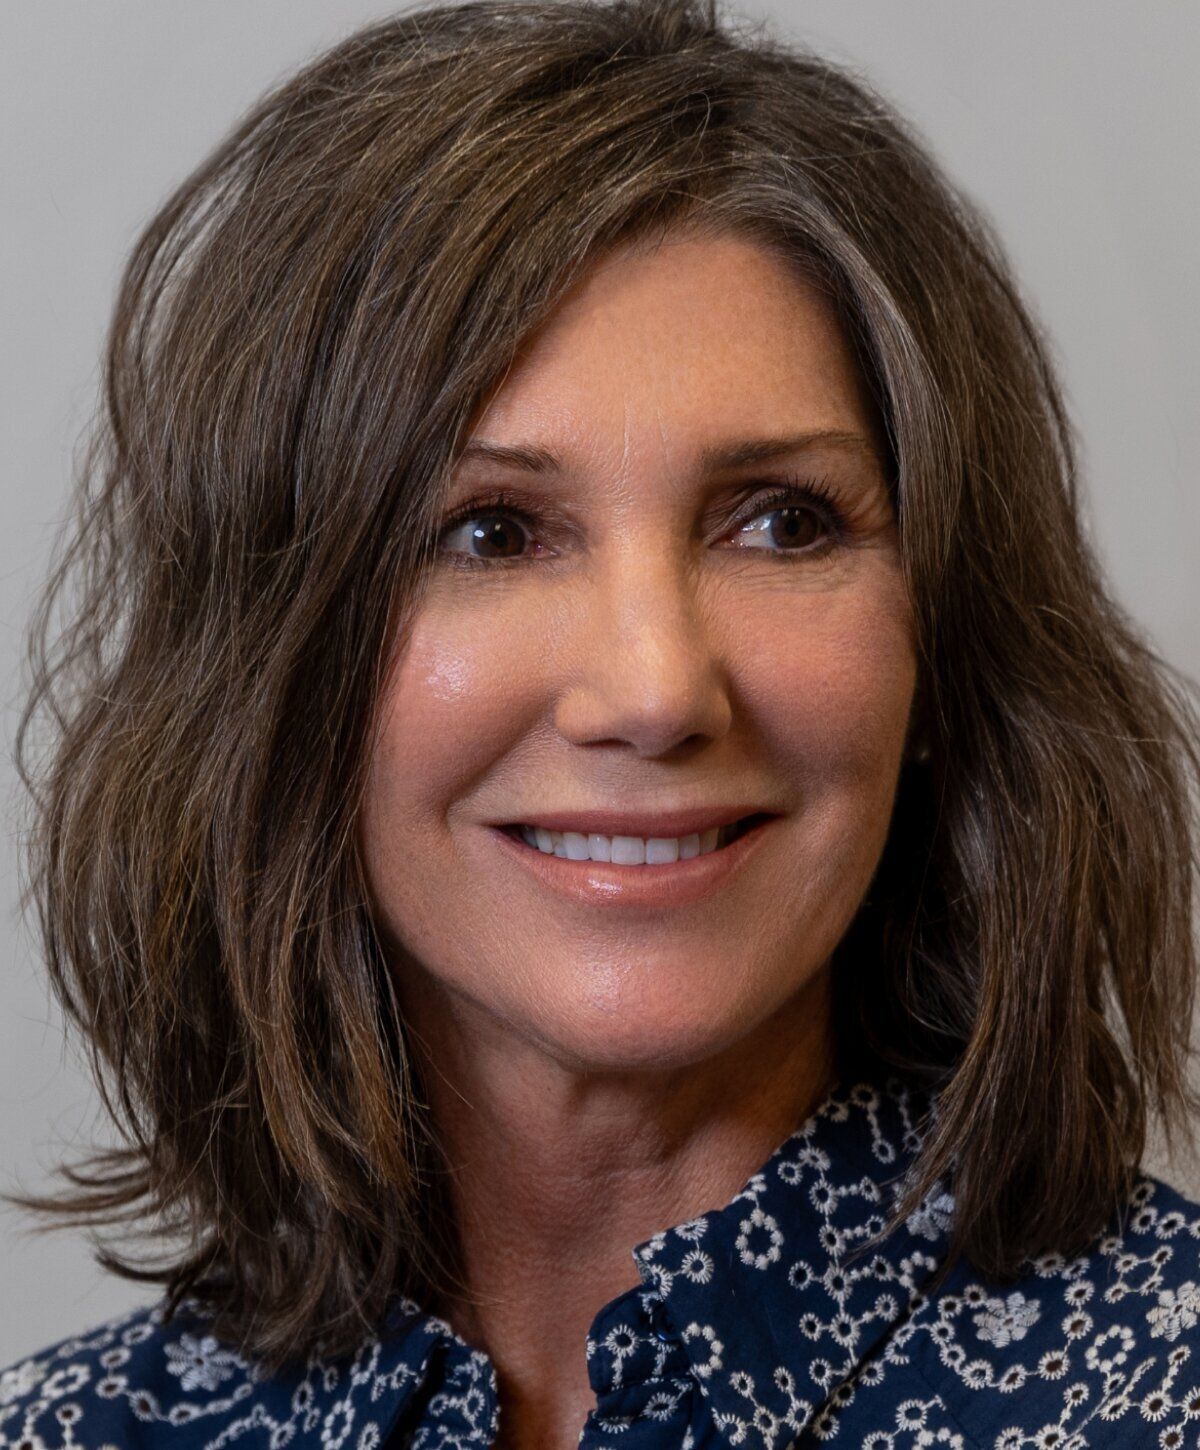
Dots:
(767, 1304)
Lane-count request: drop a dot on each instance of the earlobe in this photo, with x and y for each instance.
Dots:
(918, 749)
(916, 745)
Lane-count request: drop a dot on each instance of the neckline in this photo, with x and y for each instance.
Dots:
(762, 1305)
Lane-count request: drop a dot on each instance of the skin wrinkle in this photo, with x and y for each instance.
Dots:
(577, 1055)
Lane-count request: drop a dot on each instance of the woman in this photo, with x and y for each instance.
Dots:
(624, 876)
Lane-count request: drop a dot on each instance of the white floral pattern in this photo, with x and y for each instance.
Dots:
(200, 1362)
(1004, 1320)
(1177, 1310)
(760, 1325)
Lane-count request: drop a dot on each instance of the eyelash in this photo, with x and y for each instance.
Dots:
(812, 493)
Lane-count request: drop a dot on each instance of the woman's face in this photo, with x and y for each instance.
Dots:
(640, 631)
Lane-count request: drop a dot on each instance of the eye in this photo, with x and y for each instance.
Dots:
(494, 528)
(800, 520)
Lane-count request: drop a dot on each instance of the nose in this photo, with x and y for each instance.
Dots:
(645, 669)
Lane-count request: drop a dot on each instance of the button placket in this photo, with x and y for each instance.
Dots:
(658, 1321)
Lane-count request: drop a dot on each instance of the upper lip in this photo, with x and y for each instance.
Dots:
(639, 823)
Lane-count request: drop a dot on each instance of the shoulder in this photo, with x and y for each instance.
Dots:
(1141, 1278)
(90, 1389)
(149, 1380)
(1102, 1348)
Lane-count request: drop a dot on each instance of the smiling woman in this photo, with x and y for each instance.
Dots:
(623, 875)
(629, 623)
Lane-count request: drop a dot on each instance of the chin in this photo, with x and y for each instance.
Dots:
(612, 1029)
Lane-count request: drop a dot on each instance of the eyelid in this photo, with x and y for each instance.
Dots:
(530, 508)
(501, 500)
(796, 490)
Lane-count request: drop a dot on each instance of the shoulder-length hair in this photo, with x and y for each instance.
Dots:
(298, 341)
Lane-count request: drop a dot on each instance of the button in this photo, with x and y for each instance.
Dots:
(657, 1321)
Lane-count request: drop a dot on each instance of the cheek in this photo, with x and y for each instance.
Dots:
(830, 681)
(450, 712)
(827, 689)
(462, 696)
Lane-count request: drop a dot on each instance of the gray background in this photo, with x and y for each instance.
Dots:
(1074, 124)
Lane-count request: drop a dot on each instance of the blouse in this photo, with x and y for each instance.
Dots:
(754, 1325)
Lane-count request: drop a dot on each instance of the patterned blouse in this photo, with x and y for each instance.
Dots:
(748, 1328)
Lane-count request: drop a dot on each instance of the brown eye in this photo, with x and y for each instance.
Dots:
(489, 536)
(789, 528)
(800, 519)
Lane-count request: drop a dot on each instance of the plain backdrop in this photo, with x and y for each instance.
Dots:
(1074, 125)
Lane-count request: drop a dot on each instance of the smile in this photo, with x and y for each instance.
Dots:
(631, 850)
(653, 884)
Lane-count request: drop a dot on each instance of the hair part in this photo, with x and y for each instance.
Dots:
(299, 339)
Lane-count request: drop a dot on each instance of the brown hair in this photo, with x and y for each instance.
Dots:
(299, 339)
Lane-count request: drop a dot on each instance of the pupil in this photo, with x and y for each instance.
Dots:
(794, 516)
(491, 532)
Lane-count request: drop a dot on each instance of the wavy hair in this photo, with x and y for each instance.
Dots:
(299, 338)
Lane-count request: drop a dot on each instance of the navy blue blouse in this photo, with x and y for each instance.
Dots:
(749, 1328)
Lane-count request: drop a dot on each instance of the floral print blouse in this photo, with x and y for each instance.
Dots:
(749, 1328)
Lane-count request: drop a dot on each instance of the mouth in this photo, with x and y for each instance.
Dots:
(632, 850)
(641, 876)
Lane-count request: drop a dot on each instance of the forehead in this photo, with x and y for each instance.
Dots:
(674, 348)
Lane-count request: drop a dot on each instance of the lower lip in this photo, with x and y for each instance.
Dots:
(673, 883)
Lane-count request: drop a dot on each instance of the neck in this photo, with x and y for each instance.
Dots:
(557, 1172)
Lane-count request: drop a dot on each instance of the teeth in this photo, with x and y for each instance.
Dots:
(626, 850)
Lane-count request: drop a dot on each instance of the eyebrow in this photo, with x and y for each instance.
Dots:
(714, 458)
